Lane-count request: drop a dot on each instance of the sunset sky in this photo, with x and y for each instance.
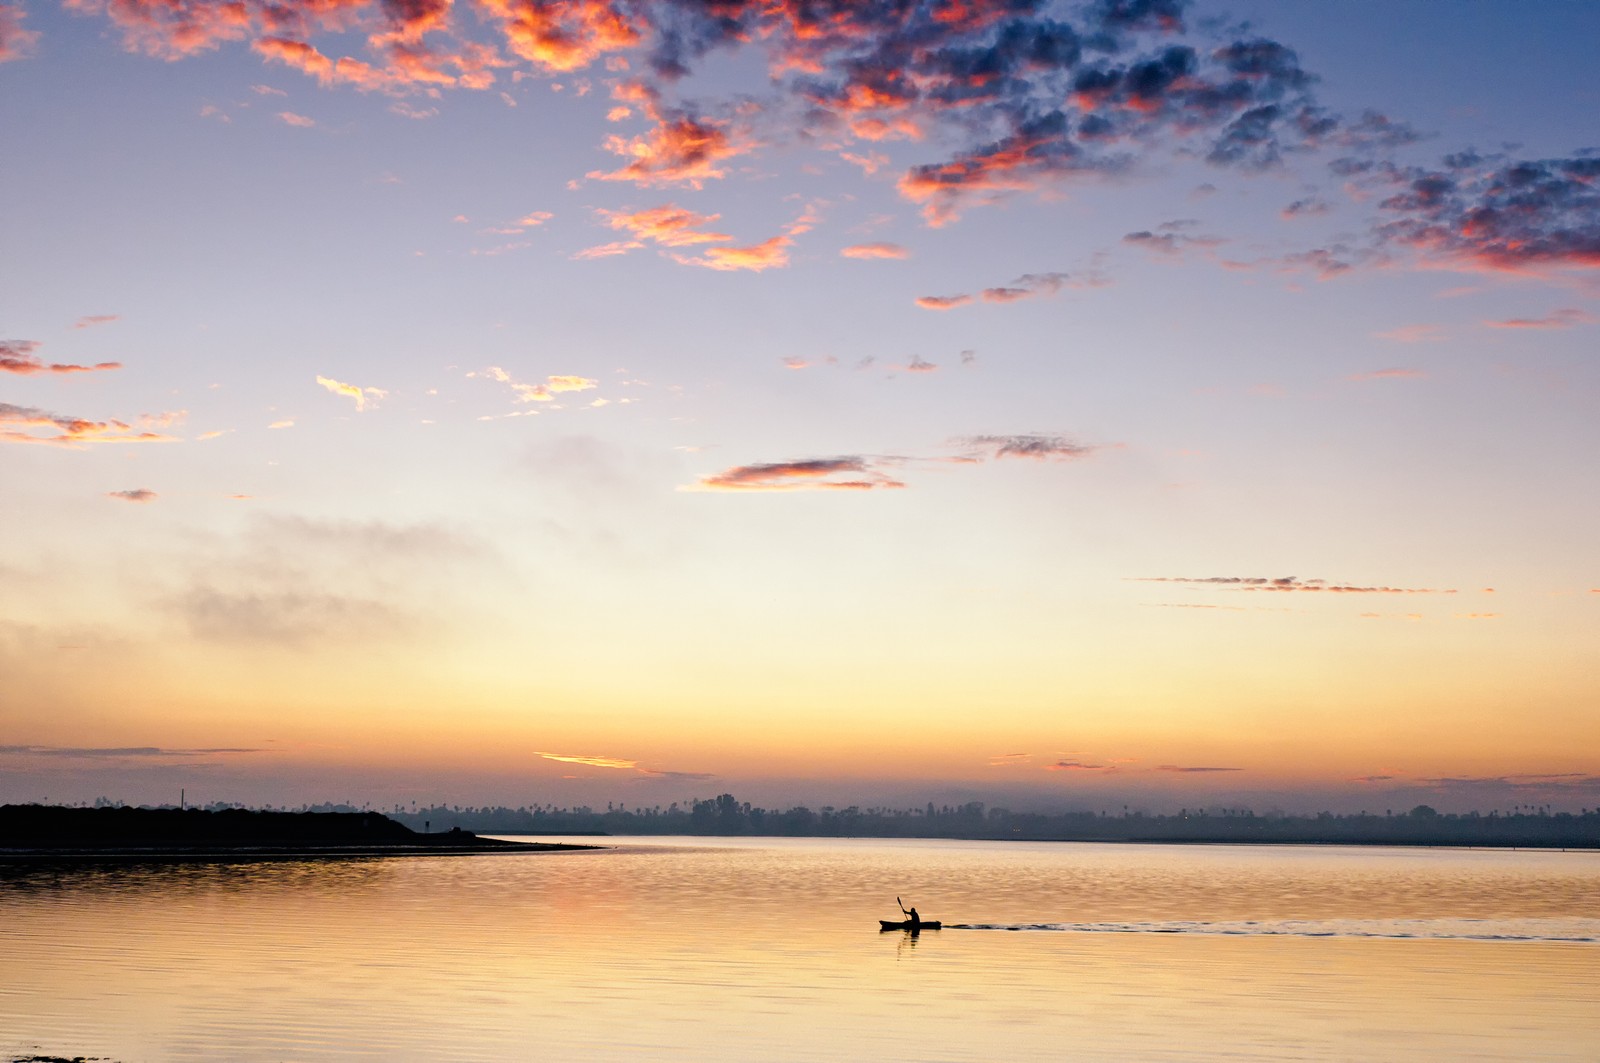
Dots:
(558, 401)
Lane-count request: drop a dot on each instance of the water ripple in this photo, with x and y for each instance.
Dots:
(1574, 931)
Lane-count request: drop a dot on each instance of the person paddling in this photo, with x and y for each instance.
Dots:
(911, 915)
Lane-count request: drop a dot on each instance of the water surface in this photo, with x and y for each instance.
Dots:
(694, 949)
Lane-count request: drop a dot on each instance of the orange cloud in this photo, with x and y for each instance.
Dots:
(299, 121)
(769, 254)
(563, 35)
(679, 150)
(943, 302)
(620, 764)
(308, 60)
(875, 250)
(593, 762)
(16, 356)
(169, 30)
(667, 225)
(25, 424)
(1022, 161)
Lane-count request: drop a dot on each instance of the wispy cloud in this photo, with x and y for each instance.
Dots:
(1387, 374)
(1558, 319)
(814, 474)
(620, 764)
(667, 225)
(589, 761)
(1413, 334)
(360, 395)
(1170, 243)
(26, 424)
(1027, 286)
(293, 582)
(1304, 208)
(1030, 285)
(864, 473)
(943, 302)
(16, 356)
(1288, 584)
(772, 253)
(123, 752)
(875, 250)
(552, 386)
(15, 41)
(95, 319)
(138, 494)
(607, 250)
(1037, 447)
(299, 121)
(1186, 769)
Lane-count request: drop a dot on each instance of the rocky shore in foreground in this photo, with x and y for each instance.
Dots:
(32, 832)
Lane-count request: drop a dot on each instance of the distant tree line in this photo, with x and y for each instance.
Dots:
(725, 815)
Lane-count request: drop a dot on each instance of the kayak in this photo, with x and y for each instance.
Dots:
(906, 924)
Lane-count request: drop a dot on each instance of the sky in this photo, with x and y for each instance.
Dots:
(1064, 406)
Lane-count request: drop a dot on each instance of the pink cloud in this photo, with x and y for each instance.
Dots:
(16, 356)
(15, 42)
(1413, 334)
(875, 250)
(943, 302)
(1387, 374)
(1559, 319)
(615, 247)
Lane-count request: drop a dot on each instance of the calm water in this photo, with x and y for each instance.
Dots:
(678, 949)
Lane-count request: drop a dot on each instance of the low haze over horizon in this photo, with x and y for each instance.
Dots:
(1058, 405)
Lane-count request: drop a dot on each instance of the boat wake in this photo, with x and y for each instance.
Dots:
(1584, 931)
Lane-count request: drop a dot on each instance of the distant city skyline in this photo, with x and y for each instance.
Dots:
(562, 401)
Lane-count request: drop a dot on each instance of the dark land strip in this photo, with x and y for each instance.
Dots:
(48, 833)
